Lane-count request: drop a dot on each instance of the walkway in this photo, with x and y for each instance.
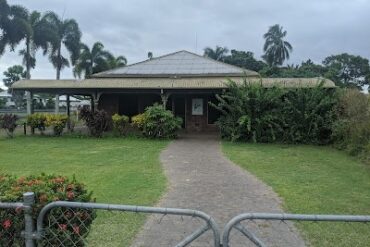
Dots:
(201, 178)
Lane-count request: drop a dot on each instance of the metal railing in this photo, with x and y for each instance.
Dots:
(39, 231)
(236, 223)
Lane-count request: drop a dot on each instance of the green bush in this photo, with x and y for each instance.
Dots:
(157, 122)
(71, 225)
(8, 122)
(138, 121)
(36, 121)
(253, 113)
(97, 122)
(57, 122)
(120, 123)
(351, 131)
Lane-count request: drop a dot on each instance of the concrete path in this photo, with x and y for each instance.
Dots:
(201, 178)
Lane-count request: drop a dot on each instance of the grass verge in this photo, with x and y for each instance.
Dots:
(117, 170)
(312, 180)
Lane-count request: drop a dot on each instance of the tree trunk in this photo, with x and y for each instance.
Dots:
(28, 60)
(59, 60)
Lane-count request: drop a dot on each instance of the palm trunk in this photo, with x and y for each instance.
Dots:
(28, 60)
(59, 68)
(59, 65)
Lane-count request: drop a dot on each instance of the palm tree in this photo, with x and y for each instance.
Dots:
(13, 25)
(67, 33)
(94, 60)
(37, 36)
(276, 48)
(115, 62)
(218, 54)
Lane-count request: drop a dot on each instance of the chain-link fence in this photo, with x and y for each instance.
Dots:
(68, 224)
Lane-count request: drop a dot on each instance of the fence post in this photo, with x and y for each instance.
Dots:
(28, 200)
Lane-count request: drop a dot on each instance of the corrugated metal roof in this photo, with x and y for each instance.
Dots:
(180, 64)
(166, 83)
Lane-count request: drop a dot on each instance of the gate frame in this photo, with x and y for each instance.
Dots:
(235, 223)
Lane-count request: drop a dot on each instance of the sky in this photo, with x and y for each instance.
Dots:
(316, 28)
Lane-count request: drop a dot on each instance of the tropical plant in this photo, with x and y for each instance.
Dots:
(96, 121)
(249, 112)
(57, 122)
(120, 123)
(115, 62)
(69, 225)
(219, 53)
(38, 35)
(8, 122)
(13, 25)
(276, 49)
(37, 121)
(253, 113)
(157, 122)
(64, 32)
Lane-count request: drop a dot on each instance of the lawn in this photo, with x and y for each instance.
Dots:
(312, 180)
(117, 170)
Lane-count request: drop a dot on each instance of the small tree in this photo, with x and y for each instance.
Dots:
(97, 122)
(8, 122)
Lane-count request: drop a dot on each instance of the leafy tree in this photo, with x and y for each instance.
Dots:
(65, 32)
(276, 48)
(306, 69)
(348, 70)
(218, 54)
(13, 74)
(13, 25)
(244, 60)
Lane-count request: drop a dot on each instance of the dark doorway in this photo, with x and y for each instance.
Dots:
(179, 105)
(128, 105)
(213, 114)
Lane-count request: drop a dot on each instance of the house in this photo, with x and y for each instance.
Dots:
(182, 81)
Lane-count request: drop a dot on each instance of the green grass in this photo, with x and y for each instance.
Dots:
(312, 180)
(117, 170)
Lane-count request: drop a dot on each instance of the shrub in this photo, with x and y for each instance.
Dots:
(97, 122)
(120, 123)
(351, 131)
(138, 121)
(249, 112)
(8, 122)
(157, 122)
(36, 121)
(70, 225)
(253, 113)
(57, 122)
(307, 115)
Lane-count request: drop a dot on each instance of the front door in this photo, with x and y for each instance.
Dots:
(180, 109)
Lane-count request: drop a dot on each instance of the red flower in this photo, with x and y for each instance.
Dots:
(7, 224)
(76, 229)
(62, 227)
